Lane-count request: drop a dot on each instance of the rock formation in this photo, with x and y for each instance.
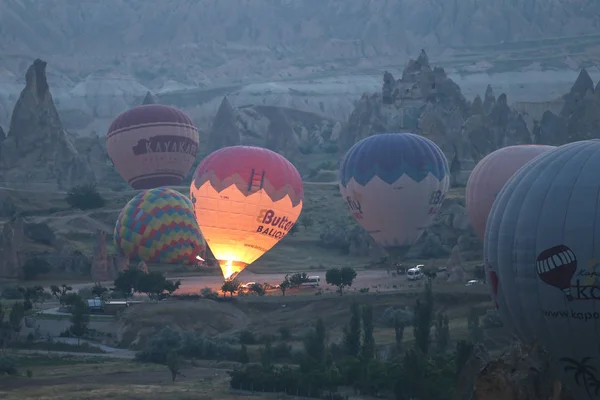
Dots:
(105, 267)
(579, 118)
(37, 149)
(149, 99)
(224, 131)
(142, 267)
(520, 373)
(455, 266)
(290, 132)
(425, 101)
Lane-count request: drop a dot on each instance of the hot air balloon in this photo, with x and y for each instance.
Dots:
(490, 175)
(152, 145)
(158, 226)
(394, 185)
(246, 199)
(543, 241)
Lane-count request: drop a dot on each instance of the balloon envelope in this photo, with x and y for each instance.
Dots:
(246, 199)
(543, 243)
(394, 185)
(152, 145)
(158, 226)
(489, 176)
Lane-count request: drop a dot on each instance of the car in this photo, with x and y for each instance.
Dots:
(247, 285)
(473, 282)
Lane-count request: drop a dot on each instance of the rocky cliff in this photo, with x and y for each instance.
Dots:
(37, 149)
(425, 101)
(263, 38)
(579, 117)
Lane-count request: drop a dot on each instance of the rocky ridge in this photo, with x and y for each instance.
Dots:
(425, 101)
(260, 38)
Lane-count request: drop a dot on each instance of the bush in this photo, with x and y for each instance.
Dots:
(404, 315)
(285, 333)
(8, 366)
(185, 344)
(35, 267)
(208, 293)
(12, 293)
(492, 319)
(247, 337)
(85, 197)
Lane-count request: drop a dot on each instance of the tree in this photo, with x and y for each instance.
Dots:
(283, 286)
(127, 281)
(474, 327)
(340, 277)
(85, 197)
(230, 286)
(463, 352)
(31, 296)
(155, 285)
(368, 347)
(266, 355)
(257, 288)
(352, 332)
(314, 343)
(98, 290)
(16, 316)
(430, 272)
(244, 358)
(306, 221)
(173, 362)
(60, 292)
(399, 334)
(442, 332)
(79, 316)
(423, 319)
(34, 267)
(297, 279)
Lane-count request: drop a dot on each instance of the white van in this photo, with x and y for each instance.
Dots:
(313, 281)
(415, 273)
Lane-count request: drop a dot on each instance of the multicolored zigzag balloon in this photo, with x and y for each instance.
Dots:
(158, 226)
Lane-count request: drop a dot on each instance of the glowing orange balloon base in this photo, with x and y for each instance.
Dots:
(231, 269)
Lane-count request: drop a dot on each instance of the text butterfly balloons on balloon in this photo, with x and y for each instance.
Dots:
(543, 242)
(158, 226)
(394, 185)
(152, 145)
(489, 176)
(246, 199)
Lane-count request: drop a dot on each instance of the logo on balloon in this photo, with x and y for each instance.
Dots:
(355, 207)
(165, 144)
(273, 225)
(558, 265)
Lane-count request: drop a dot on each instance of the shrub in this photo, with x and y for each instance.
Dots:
(85, 197)
(185, 344)
(8, 366)
(492, 319)
(208, 293)
(12, 293)
(404, 315)
(247, 337)
(35, 267)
